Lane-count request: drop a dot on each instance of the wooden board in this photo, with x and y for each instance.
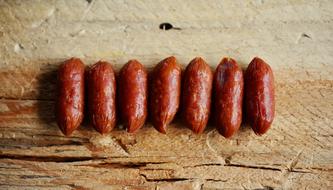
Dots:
(293, 36)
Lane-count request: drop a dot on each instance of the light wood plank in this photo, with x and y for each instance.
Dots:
(294, 37)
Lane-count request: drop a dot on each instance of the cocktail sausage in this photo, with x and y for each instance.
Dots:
(70, 95)
(259, 95)
(165, 93)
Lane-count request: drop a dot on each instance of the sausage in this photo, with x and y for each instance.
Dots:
(101, 83)
(70, 95)
(228, 97)
(196, 94)
(133, 95)
(259, 96)
(165, 92)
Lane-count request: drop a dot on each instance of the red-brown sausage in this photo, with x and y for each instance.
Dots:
(259, 96)
(165, 93)
(133, 95)
(70, 95)
(228, 97)
(196, 94)
(102, 96)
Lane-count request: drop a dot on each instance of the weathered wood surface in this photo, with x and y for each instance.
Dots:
(295, 37)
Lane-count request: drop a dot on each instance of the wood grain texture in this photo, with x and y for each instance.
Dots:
(293, 36)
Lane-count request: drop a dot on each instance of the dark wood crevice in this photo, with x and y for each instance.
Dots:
(57, 159)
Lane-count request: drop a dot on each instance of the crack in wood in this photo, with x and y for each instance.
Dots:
(7, 144)
(123, 146)
(116, 165)
(294, 161)
(24, 186)
(49, 158)
(217, 180)
(176, 179)
(34, 176)
(202, 165)
(141, 165)
(253, 167)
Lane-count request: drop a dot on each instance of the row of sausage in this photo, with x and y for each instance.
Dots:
(200, 92)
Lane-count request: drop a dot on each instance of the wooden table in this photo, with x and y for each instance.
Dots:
(293, 36)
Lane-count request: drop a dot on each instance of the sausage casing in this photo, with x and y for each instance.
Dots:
(132, 95)
(165, 92)
(196, 94)
(228, 97)
(101, 83)
(259, 95)
(70, 95)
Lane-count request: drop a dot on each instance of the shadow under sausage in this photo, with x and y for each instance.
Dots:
(245, 126)
(46, 84)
